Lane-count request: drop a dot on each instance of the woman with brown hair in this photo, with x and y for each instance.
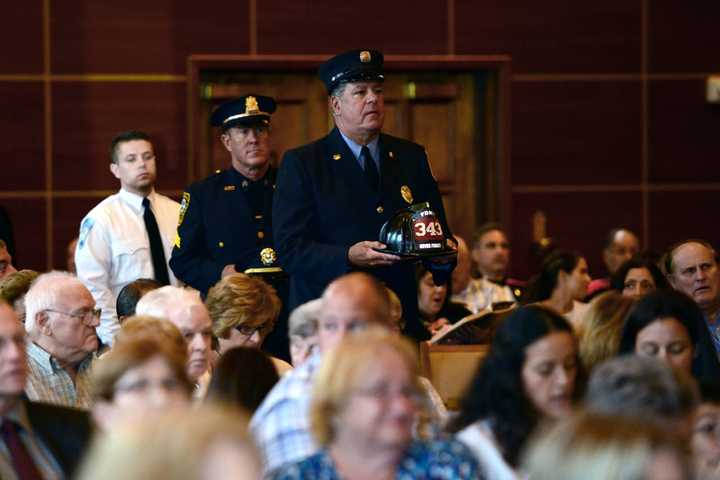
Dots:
(244, 310)
(138, 378)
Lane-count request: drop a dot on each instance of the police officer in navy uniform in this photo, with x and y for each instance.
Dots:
(225, 219)
(333, 195)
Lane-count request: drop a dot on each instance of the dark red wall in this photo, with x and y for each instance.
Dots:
(609, 120)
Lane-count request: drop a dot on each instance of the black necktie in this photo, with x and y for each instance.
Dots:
(23, 464)
(156, 246)
(371, 172)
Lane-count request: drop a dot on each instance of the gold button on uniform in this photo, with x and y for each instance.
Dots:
(261, 234)
(221, 244)
(380, 209)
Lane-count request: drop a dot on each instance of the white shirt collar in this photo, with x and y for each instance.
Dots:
(135, 200)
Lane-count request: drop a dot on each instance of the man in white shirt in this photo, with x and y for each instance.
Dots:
(477, 294)
(130, 234)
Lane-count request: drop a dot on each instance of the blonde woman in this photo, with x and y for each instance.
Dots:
(205, 444)
(366, 399)
(601, 447)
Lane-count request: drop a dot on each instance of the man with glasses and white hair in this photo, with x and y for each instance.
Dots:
(61, 319)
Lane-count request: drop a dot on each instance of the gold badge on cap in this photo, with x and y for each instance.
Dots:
(268, 256)
(251, 105)
(406, 194)
(337, 156)
(365, 56)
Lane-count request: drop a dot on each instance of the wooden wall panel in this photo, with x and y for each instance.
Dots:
(22, 142)
(684, 133)
(554, 35)
(28, 217)
(576, 221)
(576, 132)
(68, 213)
(684, 37)
(577, 103)
(86, 116)
(329, 26)
(21, 37)
(137, 36)
(675, 216)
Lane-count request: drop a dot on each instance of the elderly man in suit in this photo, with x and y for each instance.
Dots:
(36, 440)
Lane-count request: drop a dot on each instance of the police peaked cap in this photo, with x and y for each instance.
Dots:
(246, 111)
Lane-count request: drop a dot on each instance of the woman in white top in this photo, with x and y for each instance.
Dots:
(529, 375)
(561, 286)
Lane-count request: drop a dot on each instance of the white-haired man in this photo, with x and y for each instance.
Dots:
(184, 308)
(38, 440)
(61, 319)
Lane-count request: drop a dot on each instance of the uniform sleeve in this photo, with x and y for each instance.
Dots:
(295, 227)
(190, 261)
(93, 260)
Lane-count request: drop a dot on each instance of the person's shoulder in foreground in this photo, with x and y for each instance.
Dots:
(436, 460)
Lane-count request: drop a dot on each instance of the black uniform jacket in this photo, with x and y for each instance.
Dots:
(218, 227)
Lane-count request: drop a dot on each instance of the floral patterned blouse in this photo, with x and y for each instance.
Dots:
(434, 460)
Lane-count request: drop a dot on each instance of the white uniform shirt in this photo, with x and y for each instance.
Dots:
(481, 293)
(113, 249)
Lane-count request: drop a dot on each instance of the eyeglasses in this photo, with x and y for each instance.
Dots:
(85, 316)
(247, 330)
(385, 393)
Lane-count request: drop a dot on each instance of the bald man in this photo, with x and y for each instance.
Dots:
(477, 294)
(691, 267)
(281, 425)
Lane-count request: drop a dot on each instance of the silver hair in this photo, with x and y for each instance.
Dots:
(640, 387)
(44, 294)
(159, 302)
(339, 90)
(303, 321)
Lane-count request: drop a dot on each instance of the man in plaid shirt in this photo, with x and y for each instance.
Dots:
(281, 425)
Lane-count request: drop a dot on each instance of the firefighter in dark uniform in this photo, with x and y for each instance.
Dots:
(333, 195)
(225, 219)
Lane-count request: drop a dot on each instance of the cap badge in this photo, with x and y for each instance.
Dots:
(406, 194)
(251, 105)
(365, 56)
(268, 256)
(337, 156)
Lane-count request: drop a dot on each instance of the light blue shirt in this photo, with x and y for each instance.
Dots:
(373, 146)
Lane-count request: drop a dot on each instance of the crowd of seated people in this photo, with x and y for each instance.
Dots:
(620, 384)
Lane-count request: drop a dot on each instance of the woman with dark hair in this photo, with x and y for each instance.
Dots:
(637, 277)
(669, 324)
(242, 378)
(561, 284)
(434, 305)
(529, 374)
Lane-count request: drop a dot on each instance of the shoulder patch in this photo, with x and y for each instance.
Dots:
(183, 207)
(85, 228)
